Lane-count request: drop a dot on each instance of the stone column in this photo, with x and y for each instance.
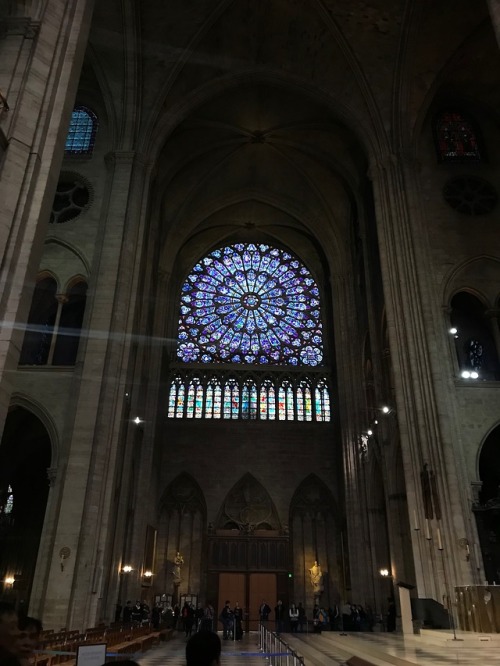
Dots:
(41, 61)
(426, 408)
(96, 426)
(494, 7)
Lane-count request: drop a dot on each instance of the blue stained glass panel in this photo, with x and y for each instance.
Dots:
(244, 303)
(82, 130)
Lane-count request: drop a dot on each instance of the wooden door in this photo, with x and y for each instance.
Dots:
(262, 587)
(232, 587)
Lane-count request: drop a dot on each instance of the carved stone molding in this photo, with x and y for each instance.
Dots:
(20, 25)
(51, 475)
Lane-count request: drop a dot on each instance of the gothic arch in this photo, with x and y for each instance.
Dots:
(183, 494)
(315, 535)
(248, 507)
(182, 529)
(479, 275)
(43, 415)
(487, 504)
(25, 458)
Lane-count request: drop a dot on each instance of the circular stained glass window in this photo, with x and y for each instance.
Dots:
(73, 196)
(470, 195)
(249, 303)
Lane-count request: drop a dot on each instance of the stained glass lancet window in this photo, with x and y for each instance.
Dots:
(82, 130)
(456, 138)
(194, 396)
(9, 501)
(249, 400)
(250, 304)
(322, 402)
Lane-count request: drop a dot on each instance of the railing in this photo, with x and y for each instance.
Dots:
(276, 650)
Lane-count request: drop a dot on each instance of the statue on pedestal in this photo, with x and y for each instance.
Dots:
(176, 571)
(316, 578)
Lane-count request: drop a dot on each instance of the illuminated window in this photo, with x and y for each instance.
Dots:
(216, 398)
(82, 130)
(249, 400)
(9, 501)
(322, 402)
(456, 138)
(250, 304)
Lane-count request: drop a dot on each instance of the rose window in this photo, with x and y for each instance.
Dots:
(249, 303)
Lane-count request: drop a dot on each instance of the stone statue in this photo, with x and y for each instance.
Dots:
(178, 562)
(316, 578)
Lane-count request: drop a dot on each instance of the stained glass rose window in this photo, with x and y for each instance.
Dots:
(249, 303)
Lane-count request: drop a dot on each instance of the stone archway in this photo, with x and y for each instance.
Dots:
(487, 508)
(25, 458)
(182, 529)
(316, 535)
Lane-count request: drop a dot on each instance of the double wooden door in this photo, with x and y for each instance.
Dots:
(249, 590)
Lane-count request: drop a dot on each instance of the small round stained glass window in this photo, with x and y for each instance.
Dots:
(250, 303)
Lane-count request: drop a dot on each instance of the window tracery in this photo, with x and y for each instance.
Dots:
(250, 304)
(254, 305)
(82, 130)
(456, 138)
(194, 395)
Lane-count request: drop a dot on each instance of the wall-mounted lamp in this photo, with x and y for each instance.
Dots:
(386, 409)
(453, 331)
(148, 574)
(64, 553)
(127, 569)
(369, 433)
(137, 420)
(385, 573)
(469, 374)
(9, 580)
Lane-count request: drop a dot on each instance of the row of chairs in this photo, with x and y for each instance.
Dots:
(120, 639)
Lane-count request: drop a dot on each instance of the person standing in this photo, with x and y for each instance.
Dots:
(127, 613)
(187, 619)
(293, 614)
(238, 622)
(279, 616)
(208, 618)
(302, 617)
(391, 615)
(227, 619)
(264, 610)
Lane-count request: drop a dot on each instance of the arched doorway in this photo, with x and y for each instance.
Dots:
(487, 509)
(25, 456)
(247, 551)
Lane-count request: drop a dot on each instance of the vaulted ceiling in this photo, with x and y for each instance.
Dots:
(268, 114)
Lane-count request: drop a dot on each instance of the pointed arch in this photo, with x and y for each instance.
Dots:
(315, 536)
(183, 494)
(181, 529)
(25, 459)
(313, 496)
(248, 506)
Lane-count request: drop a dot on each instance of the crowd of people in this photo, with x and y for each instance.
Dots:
(191, 618)
(19, 636)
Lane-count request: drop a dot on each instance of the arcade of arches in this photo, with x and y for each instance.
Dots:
(250, 301)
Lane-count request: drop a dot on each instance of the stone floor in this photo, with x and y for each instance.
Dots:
(333, 649)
